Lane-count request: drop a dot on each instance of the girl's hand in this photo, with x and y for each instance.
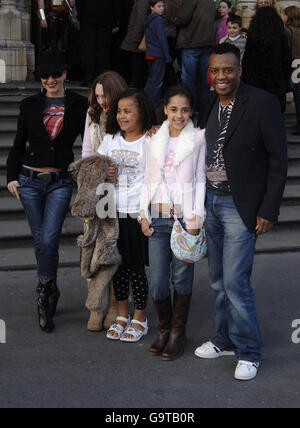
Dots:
(193, 232)
(111, 172)
(193, 225)
(152, 131)
(146, 229)
(13, 188)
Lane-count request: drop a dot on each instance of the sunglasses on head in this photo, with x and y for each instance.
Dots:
(55, 75)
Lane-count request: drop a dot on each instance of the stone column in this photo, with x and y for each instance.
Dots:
(246, 9)
(12, 48)
(282, 4)
(24, 8)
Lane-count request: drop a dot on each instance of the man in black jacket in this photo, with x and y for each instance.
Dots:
(98, 18)
(246, 174)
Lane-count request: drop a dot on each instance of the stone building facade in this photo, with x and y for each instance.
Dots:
(17, 52)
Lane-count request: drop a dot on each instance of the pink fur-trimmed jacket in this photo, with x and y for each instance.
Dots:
(189, 167)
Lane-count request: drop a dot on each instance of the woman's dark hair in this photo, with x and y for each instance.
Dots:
(113, 84)
(266, 26)
(179, 90)
(145, 106)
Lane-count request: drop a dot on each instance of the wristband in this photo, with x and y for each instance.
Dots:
(42, 14)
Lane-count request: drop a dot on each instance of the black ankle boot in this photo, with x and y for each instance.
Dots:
(45, 318)
(54, 295)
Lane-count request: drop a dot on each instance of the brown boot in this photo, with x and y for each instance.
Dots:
(164, 312)
(177, 339)
(112, 310)
(95, 321)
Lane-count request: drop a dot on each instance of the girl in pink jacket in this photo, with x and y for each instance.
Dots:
(174, 177)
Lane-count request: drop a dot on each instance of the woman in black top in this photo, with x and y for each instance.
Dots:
(37, 165)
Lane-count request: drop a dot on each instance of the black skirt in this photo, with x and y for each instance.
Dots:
(133, 245)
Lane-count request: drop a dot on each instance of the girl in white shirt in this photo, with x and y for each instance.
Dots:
(131, 116)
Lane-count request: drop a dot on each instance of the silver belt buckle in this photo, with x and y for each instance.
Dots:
(45, 176)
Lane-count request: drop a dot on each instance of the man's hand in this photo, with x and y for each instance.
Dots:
(13, 188)
(111, 173)
(146, 229)
(263, 226)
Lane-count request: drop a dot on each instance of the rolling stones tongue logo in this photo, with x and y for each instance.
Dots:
(54, 120)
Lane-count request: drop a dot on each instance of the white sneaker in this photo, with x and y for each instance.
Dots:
(246, 370)
(209, 350)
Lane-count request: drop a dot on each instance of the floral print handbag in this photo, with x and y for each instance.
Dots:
(187, 247)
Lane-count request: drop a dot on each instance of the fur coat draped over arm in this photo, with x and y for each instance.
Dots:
(100, 257)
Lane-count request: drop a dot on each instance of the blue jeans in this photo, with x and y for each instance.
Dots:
(164, 265)
(231, 250)
(46, 207)
(195, 64)
(153, 88)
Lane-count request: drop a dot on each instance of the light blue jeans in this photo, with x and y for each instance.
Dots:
(164, 266)
(231, 250)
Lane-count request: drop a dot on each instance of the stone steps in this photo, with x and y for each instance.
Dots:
(12, 259)
(16, 250)
(17, 234)
(24, 258)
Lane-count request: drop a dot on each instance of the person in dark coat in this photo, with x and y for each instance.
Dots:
(196, 30)
(267, 60)
(157, 51)
(98, 19)
(246, 173)
(135, 33)
(37, 166)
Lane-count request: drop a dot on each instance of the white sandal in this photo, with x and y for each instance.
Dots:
(135, 332)
(118, 328)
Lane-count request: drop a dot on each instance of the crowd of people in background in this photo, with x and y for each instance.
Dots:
(100, 36)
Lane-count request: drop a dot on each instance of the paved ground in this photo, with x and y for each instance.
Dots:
(75, 368)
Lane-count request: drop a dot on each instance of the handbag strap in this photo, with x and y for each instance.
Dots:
(172, 206)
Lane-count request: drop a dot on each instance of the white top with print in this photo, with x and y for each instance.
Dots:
(130, 158)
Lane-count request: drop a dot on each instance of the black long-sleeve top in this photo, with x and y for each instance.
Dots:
(33, 146)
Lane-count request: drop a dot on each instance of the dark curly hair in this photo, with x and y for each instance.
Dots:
(266, 26)
(145, 106)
